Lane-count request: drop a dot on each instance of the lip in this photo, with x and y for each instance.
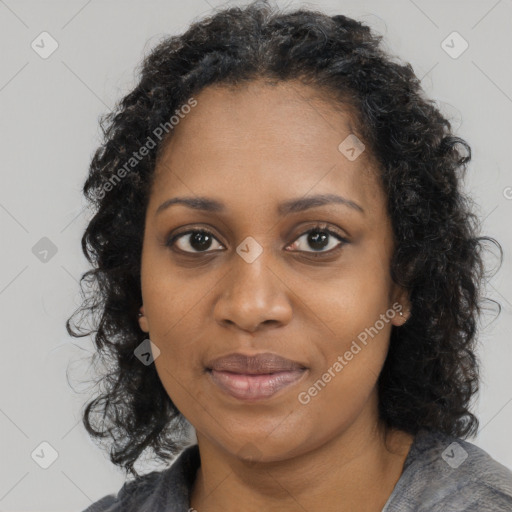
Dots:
(255, 364)
(253, 387)
(254, 377)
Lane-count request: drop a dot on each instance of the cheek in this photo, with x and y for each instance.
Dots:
(349, 302)
(353, 317)
(178, 326)
(180, 371)
(347, 377)
(173, 303)
(338, 398)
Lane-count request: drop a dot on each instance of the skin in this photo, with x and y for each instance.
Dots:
(252, 148)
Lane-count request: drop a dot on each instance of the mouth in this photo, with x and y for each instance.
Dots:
(254, 387)
(260, 363)
(254, 378)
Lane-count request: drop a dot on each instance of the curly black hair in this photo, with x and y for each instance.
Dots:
(431, 372)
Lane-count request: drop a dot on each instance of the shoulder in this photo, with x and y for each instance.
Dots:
(139, 489)
(156, 490)
(446, 473)
(104, 505)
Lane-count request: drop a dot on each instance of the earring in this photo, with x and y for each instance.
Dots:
(403, 317)
(139, 314)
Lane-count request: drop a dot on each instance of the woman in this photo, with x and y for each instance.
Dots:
(284, 259)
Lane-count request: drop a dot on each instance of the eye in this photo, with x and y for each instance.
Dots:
(198, 239)
(319, 238)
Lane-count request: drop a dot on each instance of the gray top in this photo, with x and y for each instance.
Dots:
(440, 474)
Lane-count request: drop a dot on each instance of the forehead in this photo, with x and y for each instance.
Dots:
(265, 141)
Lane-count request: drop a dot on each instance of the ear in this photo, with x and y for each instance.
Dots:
(401, 305)
(143, 321)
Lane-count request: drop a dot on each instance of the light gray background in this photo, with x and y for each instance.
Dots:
(49, 129)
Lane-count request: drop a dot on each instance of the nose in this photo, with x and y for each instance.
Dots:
(252, 296)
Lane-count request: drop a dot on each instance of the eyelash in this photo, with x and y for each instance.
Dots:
(322, 228)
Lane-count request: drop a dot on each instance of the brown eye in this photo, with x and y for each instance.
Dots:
(318, 239)
(199, 240)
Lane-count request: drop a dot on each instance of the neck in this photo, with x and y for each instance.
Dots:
(355, 470)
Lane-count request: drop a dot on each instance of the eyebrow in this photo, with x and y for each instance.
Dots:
(291, 206)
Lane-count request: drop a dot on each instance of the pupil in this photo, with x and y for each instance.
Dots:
(318, 239)
(200, 241)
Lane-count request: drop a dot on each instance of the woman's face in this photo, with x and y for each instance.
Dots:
(258, 281)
